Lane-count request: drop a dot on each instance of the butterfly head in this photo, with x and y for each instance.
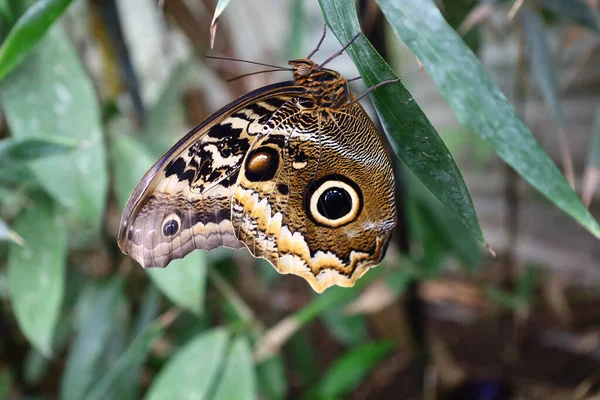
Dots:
(328, 88)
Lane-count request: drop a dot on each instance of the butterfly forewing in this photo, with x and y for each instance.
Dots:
(184, 202)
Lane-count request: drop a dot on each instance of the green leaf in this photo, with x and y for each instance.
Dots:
(438, 232)
(478, 102)
(504, 298)
(166, 120)
(297, 32)
(526, 283)
(16, 174)
(36, 272)
(238, 380)
(7, 234)
(33, 148)
(129, 387)
(542, 67)
(28, 31)
(6, 12)
(576, 10)
(191, 372)
(418, 144)
(351, 368)
(184, 281)
(49, 94)
(305, 362)
(347, 329)
(592, 171)
(35, 365)
(130, 161)
(132, 358)
(272, 378)
(96, 313)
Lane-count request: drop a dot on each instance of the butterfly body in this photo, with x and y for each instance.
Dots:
(295, 171)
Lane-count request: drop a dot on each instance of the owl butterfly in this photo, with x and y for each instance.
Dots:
(295, 171)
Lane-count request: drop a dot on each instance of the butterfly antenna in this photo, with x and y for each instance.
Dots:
(258, 72)
(312, 53)
(340, 52)
(247, 62)
(354, 79)
(380, 84)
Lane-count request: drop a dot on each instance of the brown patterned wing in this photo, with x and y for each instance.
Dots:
(316, 194)
(184, 201)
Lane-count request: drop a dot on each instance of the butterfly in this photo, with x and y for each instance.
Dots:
(294, 171)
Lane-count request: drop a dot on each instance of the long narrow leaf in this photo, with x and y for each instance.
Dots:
(592, 171)
(131, 359)
(578, 11)
(191, 372)
(418, 144)
(478, 102)
(36, 272)
(542, 67)
(12, 150)
(349, 370)
(6, 12)
(272, 379)
(546, 77)
(28, 31)
(96, 312)
(238, 380)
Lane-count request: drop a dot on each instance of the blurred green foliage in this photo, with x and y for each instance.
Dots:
(114, 331)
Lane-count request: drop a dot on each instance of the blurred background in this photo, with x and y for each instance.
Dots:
(115, 83)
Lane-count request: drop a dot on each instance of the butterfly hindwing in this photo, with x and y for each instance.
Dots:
(184, 202)
(315, 194)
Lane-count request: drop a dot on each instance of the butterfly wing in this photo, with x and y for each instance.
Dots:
(184, 201)
(316, 194)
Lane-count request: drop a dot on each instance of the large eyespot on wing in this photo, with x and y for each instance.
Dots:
(333, 201)
(184, 201)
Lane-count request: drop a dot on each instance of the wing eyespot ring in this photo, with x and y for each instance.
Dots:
(333, 201)
(171, 225)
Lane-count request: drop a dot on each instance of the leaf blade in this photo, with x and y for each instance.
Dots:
(403, 120)
(576, 10)
(36, 273)
(184, 282)
(28, 149)
(29, 29)
(131, 358)
(347, 371)
(478, 102)
(96, 310)
(185, 377)
(238, 380)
